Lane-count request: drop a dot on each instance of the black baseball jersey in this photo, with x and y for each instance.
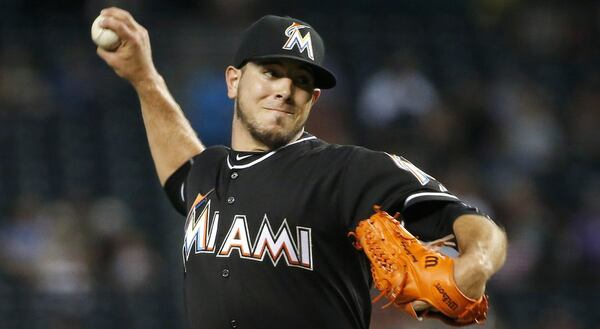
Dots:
(265, 242)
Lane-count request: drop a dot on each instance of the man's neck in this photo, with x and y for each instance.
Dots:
(242, 141)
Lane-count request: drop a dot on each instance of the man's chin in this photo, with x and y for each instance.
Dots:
(274, 138)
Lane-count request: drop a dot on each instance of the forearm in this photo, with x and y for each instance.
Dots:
(171, 138)
(482, 247)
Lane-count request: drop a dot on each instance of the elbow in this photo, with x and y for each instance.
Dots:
(492, 254)
(483, 242)
(502, 245)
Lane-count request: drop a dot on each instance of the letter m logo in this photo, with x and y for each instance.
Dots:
(295, 38)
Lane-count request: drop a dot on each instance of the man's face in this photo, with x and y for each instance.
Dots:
(272, 99)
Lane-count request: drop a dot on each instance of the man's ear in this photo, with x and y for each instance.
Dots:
(315, 95)
(232, 77)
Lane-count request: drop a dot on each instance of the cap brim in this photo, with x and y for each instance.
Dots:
(324, 79)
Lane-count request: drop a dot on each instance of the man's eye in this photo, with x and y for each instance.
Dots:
(271, 74)
(303, 81)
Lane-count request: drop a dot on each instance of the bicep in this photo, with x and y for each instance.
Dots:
(470, 229)
(431, 220)
(377, 178)
(174, 187)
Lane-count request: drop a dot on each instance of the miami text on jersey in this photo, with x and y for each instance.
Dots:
(200, 236)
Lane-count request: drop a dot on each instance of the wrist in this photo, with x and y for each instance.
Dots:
(148, 82)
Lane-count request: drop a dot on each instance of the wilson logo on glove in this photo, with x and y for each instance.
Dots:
(431, 261)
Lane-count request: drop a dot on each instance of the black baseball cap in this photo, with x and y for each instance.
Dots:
(285, 37)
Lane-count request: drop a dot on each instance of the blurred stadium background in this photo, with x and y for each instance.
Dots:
(499, 99)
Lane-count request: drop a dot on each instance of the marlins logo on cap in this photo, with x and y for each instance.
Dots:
(296, 39)
(277, 37)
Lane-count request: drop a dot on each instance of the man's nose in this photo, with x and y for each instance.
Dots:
(284, 87)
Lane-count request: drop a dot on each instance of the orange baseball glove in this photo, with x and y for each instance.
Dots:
(405, 270)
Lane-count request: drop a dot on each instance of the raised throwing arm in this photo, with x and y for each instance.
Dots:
(171, 138)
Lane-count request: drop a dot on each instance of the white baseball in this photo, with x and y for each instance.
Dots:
(104, 38)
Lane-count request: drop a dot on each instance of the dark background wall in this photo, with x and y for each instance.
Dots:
(500, 100)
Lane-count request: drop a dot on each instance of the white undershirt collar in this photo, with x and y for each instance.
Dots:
(259, 157)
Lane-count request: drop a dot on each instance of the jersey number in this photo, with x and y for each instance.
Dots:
(406, 165)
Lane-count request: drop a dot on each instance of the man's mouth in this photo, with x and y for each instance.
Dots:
(278, 109)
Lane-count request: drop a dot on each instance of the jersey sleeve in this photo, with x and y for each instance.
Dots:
(378, 178)
(193, 177)
(174, 186)
(431, 220)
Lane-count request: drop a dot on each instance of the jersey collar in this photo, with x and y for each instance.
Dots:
(242, 160)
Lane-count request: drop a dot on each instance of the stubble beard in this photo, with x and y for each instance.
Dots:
(270, 138)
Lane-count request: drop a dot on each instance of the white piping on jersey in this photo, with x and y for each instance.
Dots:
(418, 195)
(182, 195)
(264, 157)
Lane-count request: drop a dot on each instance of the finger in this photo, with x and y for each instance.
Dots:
(121, 15)
(420, 306)
(119, 27)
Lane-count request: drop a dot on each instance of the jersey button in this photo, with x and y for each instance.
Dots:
(230, 200)
(233, 324)
(234, 175)
(225, 273)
